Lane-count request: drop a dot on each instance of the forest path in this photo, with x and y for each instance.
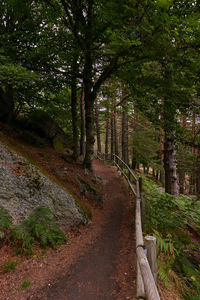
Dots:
(108, 263)
(99, 263)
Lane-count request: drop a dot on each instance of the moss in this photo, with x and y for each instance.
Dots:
(58, 145)
(84, 208)
(89, 186)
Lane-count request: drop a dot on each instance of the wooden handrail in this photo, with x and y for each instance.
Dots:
(127, 167)
(146, 280)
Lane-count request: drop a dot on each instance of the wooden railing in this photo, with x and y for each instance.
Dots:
(145, 251)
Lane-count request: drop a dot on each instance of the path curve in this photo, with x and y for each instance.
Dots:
(105, 269)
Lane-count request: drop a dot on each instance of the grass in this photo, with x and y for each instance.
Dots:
(9, 265)
(25, 284)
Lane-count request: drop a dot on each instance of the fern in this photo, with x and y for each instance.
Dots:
(40, 226)
(5, 222)
(21, 240)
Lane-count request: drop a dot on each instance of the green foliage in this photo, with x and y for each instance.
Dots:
(25, 284)
(168, 218)
(21, 240)
(39, 226)
(5, 218)
(9, 265)
(5, 222)
(190, 272)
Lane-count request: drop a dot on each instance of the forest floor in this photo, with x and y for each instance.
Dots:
(99, 260)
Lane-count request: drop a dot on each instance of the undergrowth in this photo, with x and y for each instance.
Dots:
(39, 227)
(171, 219)
(25, 284)
(9, 265)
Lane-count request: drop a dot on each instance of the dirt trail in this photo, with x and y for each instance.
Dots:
(98, 264)
(97, 274)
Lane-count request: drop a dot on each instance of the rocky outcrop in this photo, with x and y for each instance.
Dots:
(89, 190)
(23, 188)
(40, 122)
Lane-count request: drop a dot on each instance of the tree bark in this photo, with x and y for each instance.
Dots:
(125, 137)
(115, 134)
(107, 132)
(194, 151)
(181, 163)
(198, 175)
(97, 127)
(82, 110)
(171, 184)
(112, 147)
(162, 171)
(6, 104)
(74, 108)
(89, 109)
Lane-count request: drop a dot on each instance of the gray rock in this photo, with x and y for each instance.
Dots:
(24, 187)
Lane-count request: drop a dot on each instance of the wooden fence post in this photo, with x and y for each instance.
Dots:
(150, 244)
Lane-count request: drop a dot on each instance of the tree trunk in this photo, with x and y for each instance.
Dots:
(74, 108)
(115, 134)
(89, 110)
(133, 162)
(198, 175)
(193, 173)
(181, 164)
(112, 135)
(82, 110)
(97, 127)
(125, 136)
(171, 184)
(107, 132)
(162, 172)
(6, 104)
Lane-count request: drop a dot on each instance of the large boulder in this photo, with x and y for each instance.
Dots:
(24, 187)
(45, 126)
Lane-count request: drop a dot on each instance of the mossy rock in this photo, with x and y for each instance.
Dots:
(89, 190)
(32, 138)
